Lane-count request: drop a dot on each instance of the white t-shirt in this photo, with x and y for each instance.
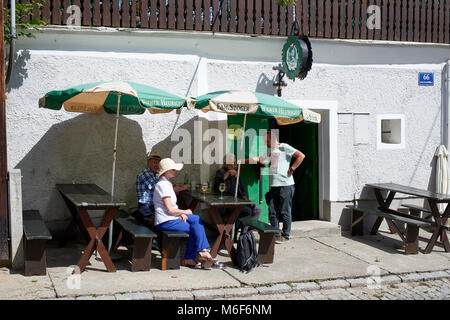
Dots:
(280, 159)
(164, 189)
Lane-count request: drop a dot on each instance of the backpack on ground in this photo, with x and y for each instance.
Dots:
(246, 254)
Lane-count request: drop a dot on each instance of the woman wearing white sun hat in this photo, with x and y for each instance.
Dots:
(169, 217)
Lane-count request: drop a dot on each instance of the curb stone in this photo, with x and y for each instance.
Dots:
(96, 298)
(239, 292)
(334, 284)
(305, 286)
(135, 296)
(277, 288)
(390, 279)
(208, 294)
(411, 277)
(434, 275)
(173, 295)
(357, 282)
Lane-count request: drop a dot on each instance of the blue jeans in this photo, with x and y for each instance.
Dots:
(194, 226)
(280, 206)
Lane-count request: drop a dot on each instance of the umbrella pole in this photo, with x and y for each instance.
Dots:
(114, 169)
(240, 156)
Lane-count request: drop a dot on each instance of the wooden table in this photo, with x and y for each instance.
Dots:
(224, 224)
(431, 197)
(80, 198)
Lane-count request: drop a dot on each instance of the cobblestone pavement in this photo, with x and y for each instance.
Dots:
(423, 290)
(414, 286)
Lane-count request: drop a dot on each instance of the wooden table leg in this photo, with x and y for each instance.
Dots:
(74, 223)
(438, 227)
(87, 222)
(224, 231)
(96, 242)
(383, 204)
(218, 220)
(109, 215)
(228, 228)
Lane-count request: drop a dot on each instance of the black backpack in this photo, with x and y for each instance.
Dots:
(246, 254)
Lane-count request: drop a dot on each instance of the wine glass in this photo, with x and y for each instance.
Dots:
(204, 189)
(221, 189)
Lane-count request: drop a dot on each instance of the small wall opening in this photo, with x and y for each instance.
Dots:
(391, 129)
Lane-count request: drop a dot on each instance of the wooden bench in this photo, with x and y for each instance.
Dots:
(411, 236)
(36, 235)
(170, 251)
(266, 248)
(415, 210)
(142, 240)
(169, 242)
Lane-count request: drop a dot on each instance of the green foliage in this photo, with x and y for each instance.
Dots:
(22, 27)
(286, 3)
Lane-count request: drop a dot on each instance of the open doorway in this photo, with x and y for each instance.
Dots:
(304, 137)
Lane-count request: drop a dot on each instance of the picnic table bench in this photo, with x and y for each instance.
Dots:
(223, 222)
(142, 241)
(432, 198)
(169, 242)
(416, 210)
(411, 235)
(36, 235)
(266, 246)
(80, 198)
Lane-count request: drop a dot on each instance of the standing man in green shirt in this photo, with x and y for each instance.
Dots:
(282, 185)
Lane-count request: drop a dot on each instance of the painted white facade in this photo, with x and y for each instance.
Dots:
(350, 82)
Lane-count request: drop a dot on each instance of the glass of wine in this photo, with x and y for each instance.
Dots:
(204, 189)
(221, 189)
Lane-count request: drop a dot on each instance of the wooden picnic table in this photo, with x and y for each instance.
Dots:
(223, 223)
(80, 198)
(432, 198)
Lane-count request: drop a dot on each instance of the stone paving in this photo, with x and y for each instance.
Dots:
(403, 287)
(331, 268)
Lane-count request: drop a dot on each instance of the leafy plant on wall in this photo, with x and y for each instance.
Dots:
(286, 3)
(23, 28)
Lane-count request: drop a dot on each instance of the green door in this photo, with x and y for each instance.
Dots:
(303, 136)
(254, 146)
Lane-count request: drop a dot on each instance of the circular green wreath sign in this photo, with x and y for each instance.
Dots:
(292, 57)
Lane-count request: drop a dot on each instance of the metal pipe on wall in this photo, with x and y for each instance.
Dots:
(12, 41)
(446, 102)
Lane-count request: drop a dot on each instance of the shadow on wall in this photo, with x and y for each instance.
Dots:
(19, 70)
(185, 135)
(265, 85)
(80, 150)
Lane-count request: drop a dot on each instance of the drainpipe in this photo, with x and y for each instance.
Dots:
(446, 105)
(446, 98)
(11, 43)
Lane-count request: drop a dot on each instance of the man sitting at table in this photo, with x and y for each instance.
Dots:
(146, 181)
(228, 175)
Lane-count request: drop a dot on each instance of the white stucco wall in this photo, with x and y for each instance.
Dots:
(57, 147)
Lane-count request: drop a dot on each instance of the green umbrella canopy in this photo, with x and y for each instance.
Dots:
(98, 96)
(117, 97)
(256, 104)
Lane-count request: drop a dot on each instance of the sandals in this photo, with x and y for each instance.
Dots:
(205, 257)
(195, 265)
